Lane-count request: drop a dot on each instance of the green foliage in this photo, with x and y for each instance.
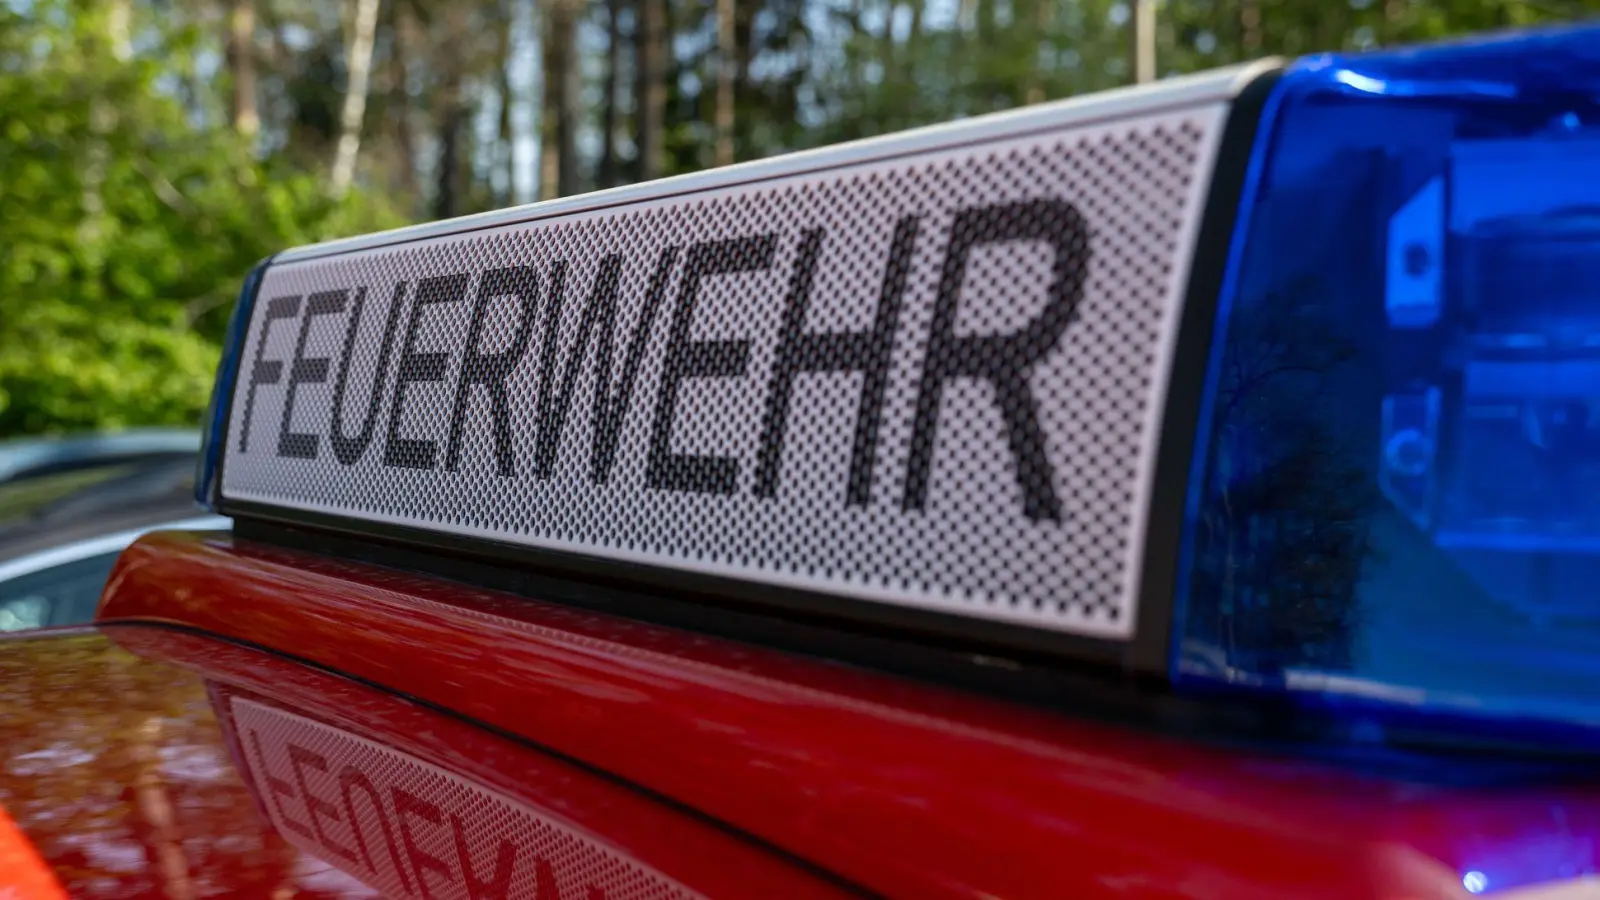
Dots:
(130, 210)
(890, 70)
(125, 229)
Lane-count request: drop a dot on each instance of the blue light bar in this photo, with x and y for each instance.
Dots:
(1396, 502)
(208, 474)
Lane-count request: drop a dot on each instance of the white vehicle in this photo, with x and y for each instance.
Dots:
(68, 508)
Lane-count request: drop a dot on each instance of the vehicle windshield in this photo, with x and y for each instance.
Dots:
(58, 506)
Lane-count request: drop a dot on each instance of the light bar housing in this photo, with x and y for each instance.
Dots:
(1398, 500)
(1230, 380)
(868, 375)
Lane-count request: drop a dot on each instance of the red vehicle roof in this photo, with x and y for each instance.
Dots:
(481, 741)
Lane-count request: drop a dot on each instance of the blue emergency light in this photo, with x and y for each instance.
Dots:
(1397, 498)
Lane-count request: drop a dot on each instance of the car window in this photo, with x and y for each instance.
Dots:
(23, 498)
(65, 594)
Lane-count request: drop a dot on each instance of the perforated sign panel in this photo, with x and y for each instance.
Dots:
(411, 829)
(932, 379)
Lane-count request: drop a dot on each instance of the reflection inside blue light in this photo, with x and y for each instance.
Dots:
(1359, 81)
(1474, 882)
(1401, 486)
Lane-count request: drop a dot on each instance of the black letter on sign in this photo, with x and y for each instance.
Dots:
(278, 788)
(498, 885)
(553, 401)
(700, 359)
(268, 371)
(317, 808)
(492, 369)
(351, 777)
(611, 409)
(349, 449)
(866, 352)
(407, 803)
(407, 453)
(304, 370)
(1004, 360)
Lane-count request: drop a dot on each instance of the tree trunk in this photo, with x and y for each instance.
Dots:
(1142, 41)
(447, 195)
(651, 97)
(1394, 14)
(571, 103)
(119, 28)
(966, 16)
(102, 119)
(242, 63)
(910, 59)
(272, 55)
(606, 176)
(964, 59)
(505, 156)
(551, 110)
(1043, 14)
(988, 27)
(401, 44)
(451, 118)
(744, 41)
(157, 821)
(358, 66)
(726, 65)
(559, 125)
(1249, 28)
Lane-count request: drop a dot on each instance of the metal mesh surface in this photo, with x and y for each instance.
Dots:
(932, 381)
(392, 820)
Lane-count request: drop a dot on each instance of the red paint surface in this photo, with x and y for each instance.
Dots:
(904, 789)
(115, 772)
(438, 798)
(127, 770)
(26, 876)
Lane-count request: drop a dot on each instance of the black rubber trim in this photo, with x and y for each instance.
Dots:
(824, 627)
(1148, 653)
(755, 841)
(981, 636)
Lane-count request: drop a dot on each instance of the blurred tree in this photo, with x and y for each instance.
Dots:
(152, 149)
(358, 68)
(502, 171)
(653, 46)
(608, 171)
(726, 66)
(116, 324)
(558, 130)
(395, 156)
(97, 793)
(449, 107)
(241, 58)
